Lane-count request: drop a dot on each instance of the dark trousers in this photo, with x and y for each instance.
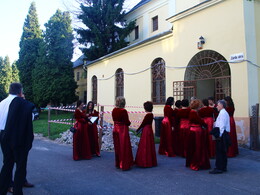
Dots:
(12, 156)
(221, 154)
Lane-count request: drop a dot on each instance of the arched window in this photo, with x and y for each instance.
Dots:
(119, 82)
(94, 89)
(158, 81)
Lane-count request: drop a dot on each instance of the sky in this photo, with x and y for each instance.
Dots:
(14, 12)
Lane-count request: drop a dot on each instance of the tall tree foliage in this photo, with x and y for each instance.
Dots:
(5, 76)
(15, 73)
(29, 50)
(53, 76)
(106, 28)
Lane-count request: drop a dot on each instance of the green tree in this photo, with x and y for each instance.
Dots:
(29, 50)
(5, 76)
(106, 28)
(2, 91)
(15, 73)
(53, 75)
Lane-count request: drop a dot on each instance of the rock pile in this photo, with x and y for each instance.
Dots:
(107, 138)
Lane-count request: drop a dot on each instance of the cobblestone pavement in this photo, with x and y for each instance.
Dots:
(52, 170)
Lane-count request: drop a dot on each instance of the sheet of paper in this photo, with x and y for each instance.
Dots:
(93, 119)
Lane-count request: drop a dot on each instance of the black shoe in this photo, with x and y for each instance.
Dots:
(224, 170)
(11, 190)
(28, 185)
(215, 171)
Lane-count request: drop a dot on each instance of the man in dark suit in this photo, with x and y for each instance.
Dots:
(16, 140)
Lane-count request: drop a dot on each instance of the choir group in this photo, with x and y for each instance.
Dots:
(185, 131)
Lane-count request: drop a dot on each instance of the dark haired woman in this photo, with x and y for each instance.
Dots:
(123, 150)
(197, 154)
(92, 129)
(176, 132)
(166, 135)
(81, 146)
(184, 127)
(207, 114)
(146, 155)
(233, 149)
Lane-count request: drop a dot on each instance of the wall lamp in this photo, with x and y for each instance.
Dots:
(201, 42)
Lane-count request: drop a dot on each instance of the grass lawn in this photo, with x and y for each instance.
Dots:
(41, 125)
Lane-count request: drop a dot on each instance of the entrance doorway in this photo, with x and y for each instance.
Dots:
(207, 74)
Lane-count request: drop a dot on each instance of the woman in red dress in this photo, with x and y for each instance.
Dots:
(214, 106)
(184, 127)
(146, 155)
(166, 135)
(233, 149)
(81, 146)
(176, 132)
(123, 150)
(197, 154)
(207, 114)
(92, 129)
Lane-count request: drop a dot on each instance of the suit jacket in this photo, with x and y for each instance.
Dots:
(19, 128)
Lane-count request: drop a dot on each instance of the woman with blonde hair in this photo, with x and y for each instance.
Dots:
(197, 154)
(122, 145)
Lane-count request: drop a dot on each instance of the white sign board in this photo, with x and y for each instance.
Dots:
(237, 57)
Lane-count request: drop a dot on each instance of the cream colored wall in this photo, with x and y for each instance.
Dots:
(182, 5)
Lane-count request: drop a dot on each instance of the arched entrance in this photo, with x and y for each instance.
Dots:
(207, 74)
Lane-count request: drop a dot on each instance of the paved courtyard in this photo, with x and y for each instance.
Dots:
(52, 170)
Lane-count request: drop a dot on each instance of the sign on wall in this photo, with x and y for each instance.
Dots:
(237, 57)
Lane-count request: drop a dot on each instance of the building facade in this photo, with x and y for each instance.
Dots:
(185, 48)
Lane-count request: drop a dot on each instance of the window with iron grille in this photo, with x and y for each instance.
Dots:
(158, 81)
(136, 32)
(119, 82)
(94, 89)
(155, 23)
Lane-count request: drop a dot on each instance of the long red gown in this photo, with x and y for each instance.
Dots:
(166, 136)
(81, 145)
(123, 150)
(207, 114)
(233, 149)
(176, 133)
(146, 155)
(93, 135)
(184, 129)
(197, 154)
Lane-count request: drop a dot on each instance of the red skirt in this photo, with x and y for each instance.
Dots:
(81, 145)
(146, 155)
(233, 149)
(197, 154)
(123, 150)
(166, 139)
(211, 143)
(93, 139)
(184, 136)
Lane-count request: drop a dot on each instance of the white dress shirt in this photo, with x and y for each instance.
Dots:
(223, 121)
(4, 108)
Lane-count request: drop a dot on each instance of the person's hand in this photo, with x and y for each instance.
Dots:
(89, 123)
